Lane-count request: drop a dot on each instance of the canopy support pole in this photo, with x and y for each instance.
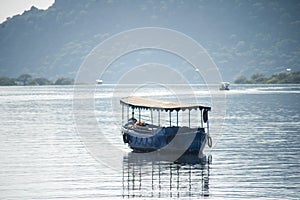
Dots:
(158, 118)
(132, 113)
(207, 127)
(127, 113)
(201, 117)
(189, 118)
(151, 116)
(139, 114)
(177, 118)
(170, 118)
(122, 113)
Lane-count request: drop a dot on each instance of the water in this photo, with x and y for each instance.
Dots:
(257, 154)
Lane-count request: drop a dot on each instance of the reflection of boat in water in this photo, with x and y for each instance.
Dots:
(224, 86)
(150, 178)
(147, 137)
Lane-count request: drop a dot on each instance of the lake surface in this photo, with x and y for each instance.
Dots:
(42, 155)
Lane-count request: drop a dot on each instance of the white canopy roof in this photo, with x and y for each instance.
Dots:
(155, 104)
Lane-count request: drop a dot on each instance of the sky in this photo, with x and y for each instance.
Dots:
(9, 8)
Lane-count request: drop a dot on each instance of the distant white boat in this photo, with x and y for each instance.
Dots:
(99, 81)
(224, 86)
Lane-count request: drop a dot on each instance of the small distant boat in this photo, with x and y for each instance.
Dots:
(224, 86)
(99, 81)
(147, 137)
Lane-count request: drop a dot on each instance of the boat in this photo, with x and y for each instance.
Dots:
(99, 81)
(187, 137)
(224, 86)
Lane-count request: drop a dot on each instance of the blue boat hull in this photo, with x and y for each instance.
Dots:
(169, 138)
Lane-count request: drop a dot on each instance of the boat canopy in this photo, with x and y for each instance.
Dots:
(225, 83)
(155, 104)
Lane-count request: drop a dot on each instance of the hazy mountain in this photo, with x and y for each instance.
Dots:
(242, 37)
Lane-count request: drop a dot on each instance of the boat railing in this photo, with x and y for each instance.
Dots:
(152, 129)
(150, 120)
(146, 129)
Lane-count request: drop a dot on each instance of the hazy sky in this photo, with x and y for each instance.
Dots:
(9, 8)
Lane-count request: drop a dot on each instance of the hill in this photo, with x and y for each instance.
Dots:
(242, 36)
(281, 78)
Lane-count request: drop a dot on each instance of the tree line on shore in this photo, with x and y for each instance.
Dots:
(281, 78)
(27, 79)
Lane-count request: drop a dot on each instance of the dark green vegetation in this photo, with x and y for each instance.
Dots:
(242, 36)
(281, 78)
(27, 79)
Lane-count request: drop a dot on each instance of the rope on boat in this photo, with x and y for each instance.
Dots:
(209, 141)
